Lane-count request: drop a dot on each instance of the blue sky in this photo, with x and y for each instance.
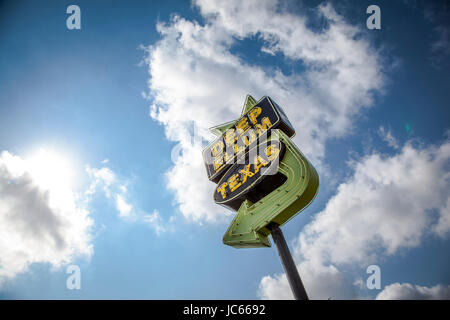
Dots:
(109, 105)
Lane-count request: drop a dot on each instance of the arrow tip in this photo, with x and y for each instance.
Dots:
(250, 102)
(241, 233)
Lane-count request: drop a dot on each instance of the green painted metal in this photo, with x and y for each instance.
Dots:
(249, 103)
(221, 128)
(249, 227)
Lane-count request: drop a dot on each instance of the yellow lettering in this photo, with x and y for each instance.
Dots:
(233, 182)
(259, 162)
(265, 124)
(246, 173)
(222, 190)
(242, 125)
(254, 113)
(218, 163)
(217, 148)
(272, 152)
(230, 137)
(249, 137)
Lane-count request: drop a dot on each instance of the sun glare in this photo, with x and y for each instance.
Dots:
(50, 170)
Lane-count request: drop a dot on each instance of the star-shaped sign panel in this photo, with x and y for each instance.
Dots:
(237, 137)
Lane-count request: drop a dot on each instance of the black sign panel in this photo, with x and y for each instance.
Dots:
(246, 132)
(256, 166)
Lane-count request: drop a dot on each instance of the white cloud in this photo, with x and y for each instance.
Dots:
(195, 79)
(442, 227)
(389, 203)
(387, 136)
(155, 221)
(101, 177)
(123, 206)
(275, 288)
(406, 291)
(115, 189)
(41, 220)
(321, 282)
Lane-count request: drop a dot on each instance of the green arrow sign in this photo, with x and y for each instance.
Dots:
(255, 124)
(266, 179)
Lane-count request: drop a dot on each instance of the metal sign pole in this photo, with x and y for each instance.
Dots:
(288, 263)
